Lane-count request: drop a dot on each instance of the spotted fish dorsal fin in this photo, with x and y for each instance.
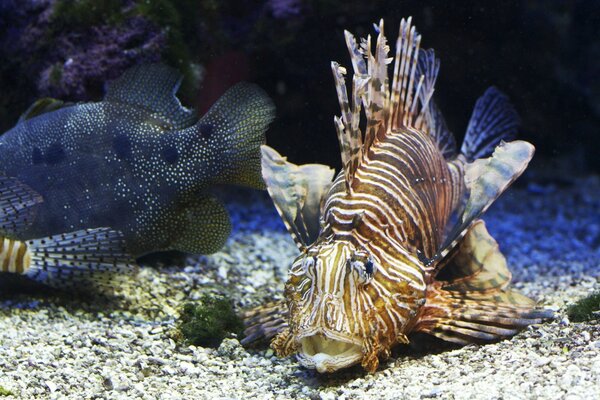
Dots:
(153, 88)
(388, 109)
(297, 192)
(43, 106)
(485, 179)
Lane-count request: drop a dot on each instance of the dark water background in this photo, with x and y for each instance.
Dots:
(545, 54)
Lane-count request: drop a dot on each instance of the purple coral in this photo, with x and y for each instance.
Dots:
(83, 63)
(282, 9)
(68, 61)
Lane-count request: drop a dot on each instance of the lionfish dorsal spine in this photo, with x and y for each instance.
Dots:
(404, 105)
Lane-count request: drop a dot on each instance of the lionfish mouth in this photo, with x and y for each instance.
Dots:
(328, 355)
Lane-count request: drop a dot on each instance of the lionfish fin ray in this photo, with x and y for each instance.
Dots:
(494, 120)
(470, 300)
(433, 121)
(88, 255)
(264, 322)
(485, 179)
(18, 205)
(297, 192)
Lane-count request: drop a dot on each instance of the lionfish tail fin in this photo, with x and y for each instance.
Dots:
(264, 322)
(96, 256)
(470, 300)
(388, 108)
(494, 120)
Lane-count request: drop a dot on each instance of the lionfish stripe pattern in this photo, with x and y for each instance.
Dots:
(400, 246)
(90, 255)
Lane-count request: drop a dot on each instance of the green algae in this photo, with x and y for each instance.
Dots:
(5, 392)
(86, 13)
(207, 322)
(585, 309)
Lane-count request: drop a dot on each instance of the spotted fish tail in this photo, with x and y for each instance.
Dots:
(235, 126)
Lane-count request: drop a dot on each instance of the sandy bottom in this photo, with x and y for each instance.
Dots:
(61, 345)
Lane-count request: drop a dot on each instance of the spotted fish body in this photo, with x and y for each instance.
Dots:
(397, 246)
(138, 162)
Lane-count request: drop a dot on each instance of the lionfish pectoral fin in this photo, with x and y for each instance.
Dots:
(470, 300)
(18, 205)
(94, 256)
(264, 322)
(297, 192)
(493, 120)
(485, 179)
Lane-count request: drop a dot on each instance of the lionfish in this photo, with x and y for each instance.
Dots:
(395, 244)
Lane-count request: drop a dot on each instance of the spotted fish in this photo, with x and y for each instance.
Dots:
(395, 245)
(137, 165)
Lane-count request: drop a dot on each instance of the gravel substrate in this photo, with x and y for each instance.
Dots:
(60, 345)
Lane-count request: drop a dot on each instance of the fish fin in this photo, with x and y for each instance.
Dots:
(297, 192)
(470, 300)
(434, 122)
(236, 124)
(264, 322)
(18, 205)
(88, 255)
(153, 87)
(201, 227)
(43, 106)
(494, 120)
(486, 179)
(388, 109)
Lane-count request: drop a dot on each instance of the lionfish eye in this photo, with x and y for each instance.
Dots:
(364, 265)
(369, 267)
(309, 261)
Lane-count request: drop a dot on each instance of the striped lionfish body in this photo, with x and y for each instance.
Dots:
(394, 244)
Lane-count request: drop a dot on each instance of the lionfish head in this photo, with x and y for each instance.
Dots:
(332, 323)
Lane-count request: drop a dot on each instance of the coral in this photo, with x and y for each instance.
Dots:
(285, 8)
(585, 309)
(69, 48)
(208, 322)
(85, 63)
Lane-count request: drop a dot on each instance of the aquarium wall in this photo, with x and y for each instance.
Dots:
(544, 55)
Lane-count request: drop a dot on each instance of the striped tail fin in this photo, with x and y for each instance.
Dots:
(470, 301)
(388, 108)
(65, 260)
